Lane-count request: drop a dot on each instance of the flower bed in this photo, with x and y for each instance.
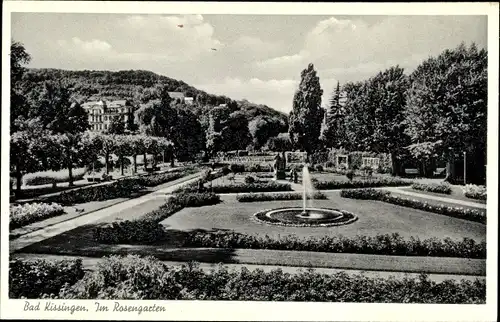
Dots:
(257, 186)
(253, 197)
(369, 183)
(35, 279)
(119, 189)
(457, 212)
(475, 192)
(141, 278)
(385, 244)
(158, 179)
(148, 228)
(49, 177)
(442, 187)
(22, 215)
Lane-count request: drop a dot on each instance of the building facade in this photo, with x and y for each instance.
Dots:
(181, 97)
(102, 113)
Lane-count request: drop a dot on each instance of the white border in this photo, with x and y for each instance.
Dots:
(271, 311)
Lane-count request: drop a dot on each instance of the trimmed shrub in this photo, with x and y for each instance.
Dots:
(146, 278)
(369, 183)
(442, 187)
(350, 175)
(26, 214)
(35, 279)
(49, 177)
(258, 186)
(122, 188)
(158, 179)
(249, 179)
(457, 212)
(319, 168)
(475, 192)
(148, 228)
(237, 168)
(387, 244)
(225, 170)
(253, 197)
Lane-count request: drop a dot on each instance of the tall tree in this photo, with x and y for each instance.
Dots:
(332, 127)
(19, 106)
(117, 126)
(306, 115)
(447, 103)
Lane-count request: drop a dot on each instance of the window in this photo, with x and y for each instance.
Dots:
(371, 162)
(342, 161)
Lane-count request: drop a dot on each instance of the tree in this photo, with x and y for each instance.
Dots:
(306, 115)
(187, 136)
(235, 133)
(27, 147)
(447, 103)
(262, 128)
(332, 128)
(19, 106)
(279, 143)
(117, 126)
(123, 147)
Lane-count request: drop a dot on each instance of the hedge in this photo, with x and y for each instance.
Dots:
(475, 192)
(158, 179)
(385, 196)
(139, 278)
(122, 188)
(22, 215)
(253, 197)
(35, 279)
(369, 183)
(442, 187)
(148, 229)
(387, 244)
(258, 186)
(49, 177)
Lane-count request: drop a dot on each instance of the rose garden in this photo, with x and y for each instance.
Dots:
(324, 212)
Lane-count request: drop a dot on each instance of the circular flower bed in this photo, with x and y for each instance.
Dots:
(312, 217)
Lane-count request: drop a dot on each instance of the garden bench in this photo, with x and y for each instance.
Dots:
(412, 171)
(439, 171)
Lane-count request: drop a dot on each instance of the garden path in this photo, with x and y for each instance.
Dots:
(438, 198)
(53, 230)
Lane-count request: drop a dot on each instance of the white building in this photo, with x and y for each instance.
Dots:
(102, 113)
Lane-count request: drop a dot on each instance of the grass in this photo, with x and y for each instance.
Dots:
(456, 193)
(373, 218)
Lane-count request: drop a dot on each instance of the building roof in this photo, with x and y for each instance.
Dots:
(176, 95)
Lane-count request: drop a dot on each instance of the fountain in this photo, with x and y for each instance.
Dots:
(306, 216)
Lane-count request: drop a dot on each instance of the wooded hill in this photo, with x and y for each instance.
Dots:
(88, 85)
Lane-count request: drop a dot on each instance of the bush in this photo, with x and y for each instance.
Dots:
(254, 187)
(369, 183)
(35, 279)
(249, 179)
(158, 179)
(146, 278)
(237, 168)
(225, 170)
(457, 212)
(252, 197)
(350, 175)
(319, 168)
(148, 228)
(49, 177)
(475, 192)
(329, 164)
(122, 188)
(387, 244)
(26, 214)
(442, 187)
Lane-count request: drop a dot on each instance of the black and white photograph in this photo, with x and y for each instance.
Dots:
(227, 153)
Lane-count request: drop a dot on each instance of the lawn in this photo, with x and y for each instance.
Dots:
(374, 218)
(456, 193)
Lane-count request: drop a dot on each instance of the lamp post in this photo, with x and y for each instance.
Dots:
(465, 167)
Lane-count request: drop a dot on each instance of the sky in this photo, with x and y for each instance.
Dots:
(256, 57)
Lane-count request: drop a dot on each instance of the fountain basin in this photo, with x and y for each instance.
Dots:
(308, 217)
